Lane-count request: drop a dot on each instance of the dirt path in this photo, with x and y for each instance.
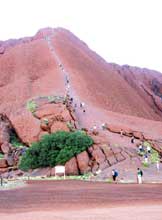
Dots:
(81, 200)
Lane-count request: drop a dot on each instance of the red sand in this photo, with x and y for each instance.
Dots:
(82, 200)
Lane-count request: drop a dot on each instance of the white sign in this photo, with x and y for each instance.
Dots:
(60, 169)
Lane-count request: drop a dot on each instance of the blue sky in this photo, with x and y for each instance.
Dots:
(121, 31)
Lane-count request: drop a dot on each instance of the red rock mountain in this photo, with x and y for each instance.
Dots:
(31, 67)
(37, 72)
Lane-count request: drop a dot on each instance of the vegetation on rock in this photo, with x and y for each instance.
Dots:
(54, 149)
(31, 106)
(1, 156)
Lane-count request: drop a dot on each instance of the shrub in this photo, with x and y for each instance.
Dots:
(1, 156)
(145, 164)
(70, 126)
(54, 149)
(154, 157)
(31, 106)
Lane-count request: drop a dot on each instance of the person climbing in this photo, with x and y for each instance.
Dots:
(132, 139)
(141, 148)
(82, 104)
(158, 165)
(98, 171)
(139, 175)
(67, 80)
(71, 101)
(121, 133)
(114, 174)
(94, 130)
(148, 149)
(104, 126)
(146, 158)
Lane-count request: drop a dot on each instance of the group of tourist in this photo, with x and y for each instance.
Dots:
(141, 147)
(115, 174)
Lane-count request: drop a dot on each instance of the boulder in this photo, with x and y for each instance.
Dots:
(6, 147)
(49, 109)
(4, 134)
(59, 126)
(26, 126)
(3, 163)
(3, 170)
(138, 134)
(118, 128)
(10, 159)
(114, 128)
(71, 167)
(83, 161)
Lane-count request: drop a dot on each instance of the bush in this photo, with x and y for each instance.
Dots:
(1, 156)
(54, 149)
(154, 156)
(31, 106)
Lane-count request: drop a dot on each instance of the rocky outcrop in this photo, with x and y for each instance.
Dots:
(3, 163)
(6, 148)
(71, 167)
(59, 126)
(26, 126)
(4, 129)
(83, 162)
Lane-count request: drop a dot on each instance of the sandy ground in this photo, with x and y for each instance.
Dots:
(68, 200)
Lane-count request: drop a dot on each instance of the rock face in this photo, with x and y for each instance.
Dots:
(71, 167)
(83, 162)
(27, 127)
(6, 148)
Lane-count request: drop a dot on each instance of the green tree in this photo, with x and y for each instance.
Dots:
(54, 149)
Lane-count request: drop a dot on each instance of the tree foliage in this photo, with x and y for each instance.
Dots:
(54, 149)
